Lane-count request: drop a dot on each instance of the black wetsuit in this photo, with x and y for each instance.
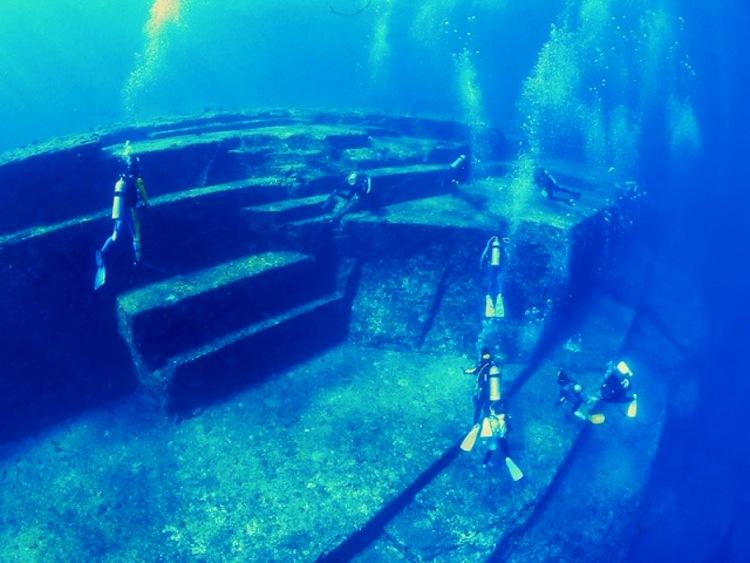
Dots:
(343, 198)
(481, 397)
(572, 392)
(494, 269)
(127, 199)
(550, 188)
(616, 388)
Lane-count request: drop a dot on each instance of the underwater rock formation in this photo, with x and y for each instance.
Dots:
(345, 335)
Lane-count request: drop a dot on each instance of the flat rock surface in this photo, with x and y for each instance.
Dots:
(284, 471)
(168, 292)
(467, 511)
(591, 515)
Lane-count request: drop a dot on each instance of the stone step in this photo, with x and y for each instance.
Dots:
(181, 233)
(248, 355)
(403, 183)
(466, 511)
(248, 191)
(217, 126)
(389, 184)
(306, 134)
(166, 318)
(283, 211)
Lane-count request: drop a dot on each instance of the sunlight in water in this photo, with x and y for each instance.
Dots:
(684, 132)
(380, 49)
(606, 67)
(470, 95)
(163, 13)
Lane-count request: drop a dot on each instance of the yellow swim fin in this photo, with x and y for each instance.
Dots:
(499, 306)
(471, 438)
(489, 307)
(515, 471)
(597, 418)
(633, 407)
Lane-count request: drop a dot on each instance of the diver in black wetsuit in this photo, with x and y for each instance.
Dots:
(495, 429)
(491, 422)
(459, 170)
(487, 389)
(551, 188)
(618, 387)
(492, 263)
(355, 187)
(129, 196)
(571, 391)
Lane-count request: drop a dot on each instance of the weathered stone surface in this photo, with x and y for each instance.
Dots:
(590, 511)
(230, 482)
(54, 214)
(170, 316)
(250, 354)
(467, 510)
(376, 428)
(276, 214)
(55, 182)
(423, 257)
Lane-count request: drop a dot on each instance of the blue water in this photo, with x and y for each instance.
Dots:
(656, 90)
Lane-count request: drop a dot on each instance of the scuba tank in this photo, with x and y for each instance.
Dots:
(494, 383)
(495, 252)
(118, 202)
(458, 163)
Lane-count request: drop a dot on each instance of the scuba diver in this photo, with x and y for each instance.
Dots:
(487, 389)
(572, 392)
(492, 262)
(550, 188)
(617, 387)
(355, 187)
(459, 169)
(494, 429)
(129, 196)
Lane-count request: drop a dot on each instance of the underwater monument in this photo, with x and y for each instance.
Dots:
(371, 280)
(319, 357)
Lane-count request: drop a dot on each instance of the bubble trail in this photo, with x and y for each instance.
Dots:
(163, 13)
(380, 49)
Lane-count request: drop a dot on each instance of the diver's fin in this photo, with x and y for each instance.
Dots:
(489, 307)
(579, 414)
(513, 469)
(597, 418)
(101, 271)
(499, 306)
(471, 438)
(486, 428)
(633, 407)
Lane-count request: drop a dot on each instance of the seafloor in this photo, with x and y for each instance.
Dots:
(277, 386)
